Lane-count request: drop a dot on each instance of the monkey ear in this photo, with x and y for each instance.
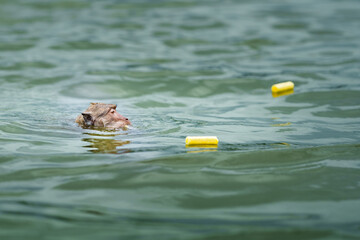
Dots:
(88, 118)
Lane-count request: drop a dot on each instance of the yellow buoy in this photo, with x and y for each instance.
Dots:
(201, 140)
(282, 87)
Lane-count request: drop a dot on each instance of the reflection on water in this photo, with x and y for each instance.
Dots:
(283, 93)
(281, 124)
(201, 148)
(281, 144)
(102, 143)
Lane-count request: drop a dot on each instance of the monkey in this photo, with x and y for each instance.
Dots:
(102, 115)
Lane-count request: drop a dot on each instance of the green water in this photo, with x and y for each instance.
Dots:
(285, 167)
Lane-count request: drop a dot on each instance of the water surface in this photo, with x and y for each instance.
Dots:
(285, 168)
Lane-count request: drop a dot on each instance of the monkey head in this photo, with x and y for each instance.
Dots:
(102, 115)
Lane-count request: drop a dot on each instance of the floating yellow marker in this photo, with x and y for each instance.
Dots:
(201, 140)
(282, 87)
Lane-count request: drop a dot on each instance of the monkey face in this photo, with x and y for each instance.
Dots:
(113, 119)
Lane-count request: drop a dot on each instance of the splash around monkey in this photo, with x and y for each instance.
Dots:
(102, 115)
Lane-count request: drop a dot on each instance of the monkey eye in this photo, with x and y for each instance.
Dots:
(112, 111)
